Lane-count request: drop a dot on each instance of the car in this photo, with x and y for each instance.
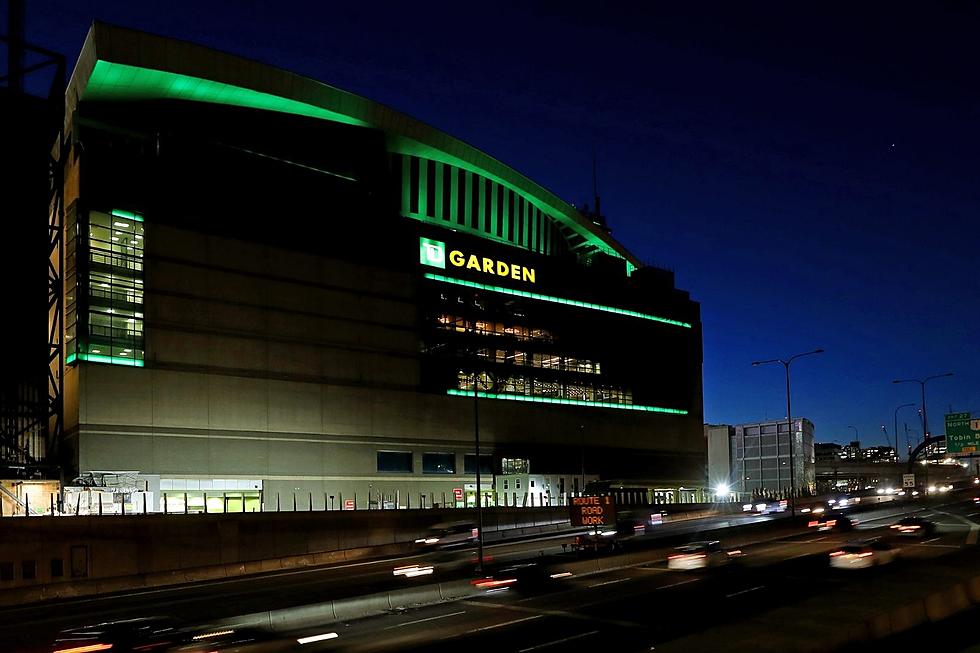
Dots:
(527, 577)
(142, 634)
(863, 554)
(914, 527)
(834, 521)
(449, 536)
(210, 639)
(701, 555)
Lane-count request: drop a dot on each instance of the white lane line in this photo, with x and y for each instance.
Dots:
(609, 582)
(558, 641)
(508, 623)
(751, 589)
(971, 538)
(683, 582)
(418, 621)
(932, 540)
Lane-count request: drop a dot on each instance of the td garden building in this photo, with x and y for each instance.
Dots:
(279, 292)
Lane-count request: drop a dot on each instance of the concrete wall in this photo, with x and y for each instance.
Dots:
(125, 546)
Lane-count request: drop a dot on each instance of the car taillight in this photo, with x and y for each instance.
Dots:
(85, 649)
(489, 583)
(813, 523)
(836, 553)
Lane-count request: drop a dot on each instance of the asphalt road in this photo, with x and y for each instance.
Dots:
(633, 607)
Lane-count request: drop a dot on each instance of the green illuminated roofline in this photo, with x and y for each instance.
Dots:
(129, 215)
(99, 358)
(566, 402)
(118, 64)
(556, 300)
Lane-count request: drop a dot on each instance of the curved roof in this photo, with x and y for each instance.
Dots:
(122, 64)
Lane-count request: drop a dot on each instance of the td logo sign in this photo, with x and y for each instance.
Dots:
(432, 252)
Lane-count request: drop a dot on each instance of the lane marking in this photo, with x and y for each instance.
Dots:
(971, 537)
(508, 623)
(559, 641)
(751, 589)
(932, 540)
(418, 621)
(609, 582)
(683, 582)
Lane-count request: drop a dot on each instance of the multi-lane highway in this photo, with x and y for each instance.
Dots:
(632, 604)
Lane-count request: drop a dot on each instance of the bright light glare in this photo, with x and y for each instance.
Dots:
(760, 506)
(317, 638)
(723, 489)
(411, 571)
(217, 633)
(818, 510)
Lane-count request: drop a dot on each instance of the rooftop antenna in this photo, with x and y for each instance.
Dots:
(595, 185)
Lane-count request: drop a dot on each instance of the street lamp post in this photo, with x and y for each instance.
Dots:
(897, 457)
(479, 487)
(789, 422)
(857, 436)
(922, 388)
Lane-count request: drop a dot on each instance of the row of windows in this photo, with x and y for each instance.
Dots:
(451, 196)
(535, 359)
(432, 463)
(531, 387)
(28, 569)
(487, 328)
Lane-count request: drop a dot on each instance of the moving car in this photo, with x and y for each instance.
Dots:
(914, 527)
(143, 634)
(833, 521)
(862, 554)
(701, 555)
(449, 535)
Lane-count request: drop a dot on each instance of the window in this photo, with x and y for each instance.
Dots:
(515, 466)
(469, 464)
(505, 484)
(111, 331)
(532, 482)
(395, 461)
(438, 463)
(57, 567)
(517, 483)
(6, 571)
(28, 569)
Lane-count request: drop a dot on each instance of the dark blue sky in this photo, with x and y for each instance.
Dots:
(811, 171)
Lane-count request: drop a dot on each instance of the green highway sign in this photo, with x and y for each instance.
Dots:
(962, 433)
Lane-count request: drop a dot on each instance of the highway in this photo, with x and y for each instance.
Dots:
(635, 606)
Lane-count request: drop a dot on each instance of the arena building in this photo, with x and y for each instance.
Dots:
(279, 293)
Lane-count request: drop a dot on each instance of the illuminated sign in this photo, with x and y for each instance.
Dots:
(458, 493)
(592, 511)
(433, 254)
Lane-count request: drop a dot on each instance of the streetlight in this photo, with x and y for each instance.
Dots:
(789, 421)
(897, 457)
(857, 437)
(922, 387)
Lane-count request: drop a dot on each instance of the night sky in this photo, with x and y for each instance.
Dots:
(810, 171)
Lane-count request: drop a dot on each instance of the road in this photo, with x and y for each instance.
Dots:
(633, 607)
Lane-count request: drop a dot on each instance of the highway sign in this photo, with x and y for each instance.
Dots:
(962, 433)
(592, 511)
(908, 480)
(348, 504)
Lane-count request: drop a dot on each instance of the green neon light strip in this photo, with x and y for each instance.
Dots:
(566, 402)
(111, 81)
(99, 358)
(129, 215)
(556, 300)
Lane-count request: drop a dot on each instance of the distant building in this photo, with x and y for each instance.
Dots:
(827, 453)
(754, 459)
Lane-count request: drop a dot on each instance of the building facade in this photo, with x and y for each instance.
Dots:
(282, 294)
(754, 459)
